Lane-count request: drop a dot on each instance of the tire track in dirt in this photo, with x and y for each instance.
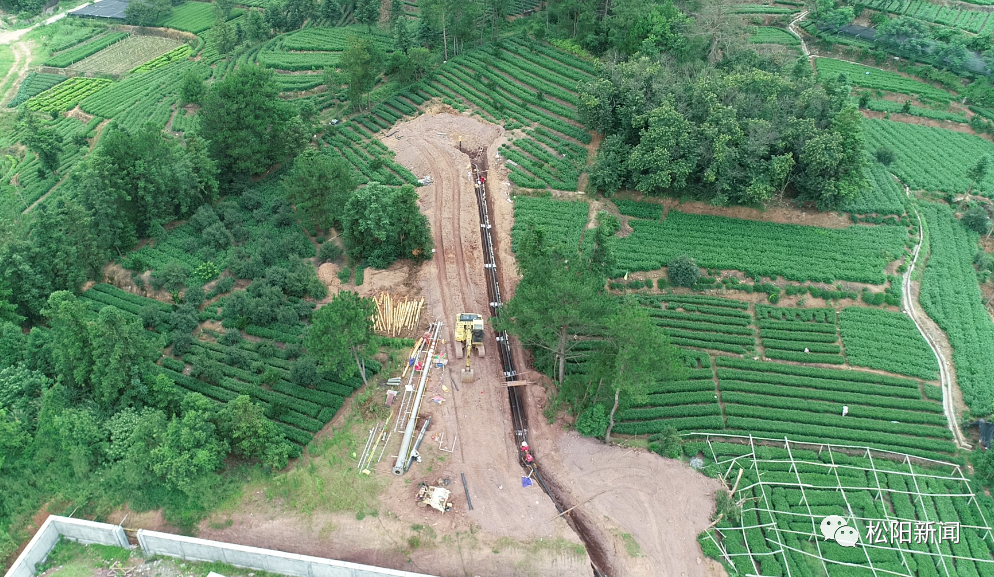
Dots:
(456, 226)
(22, 57)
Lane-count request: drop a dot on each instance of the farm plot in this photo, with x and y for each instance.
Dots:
(883, 196)
(526, 84)
(562, 222)
(684, 405)
(800, 253)
(887, 341)
(312, 48)
(193, 17)
(859, 75)
(804, 335)
(68, 57)
(126, 55)
(34, 83)
(66, 95)
(646, 210)
(224, 372)
(929, 158)
(370, 157)
(33, 186)
(142, 98)
(790, 488)
(951, 297)
(703, 322)
(805, 403)
(772, 35)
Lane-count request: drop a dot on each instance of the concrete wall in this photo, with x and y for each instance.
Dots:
(193, 549)
(45, 539)
(188, 548)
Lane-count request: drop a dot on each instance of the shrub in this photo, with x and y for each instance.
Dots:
(683, 271)
(884, 156)
(592, 422)
(181, 342)
(303, 372)
(344, 274)
(150, 316)
(194, 296)
(231, 338)
(668, 444)
(171, 277)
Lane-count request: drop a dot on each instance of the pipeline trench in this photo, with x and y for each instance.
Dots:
(517, 394)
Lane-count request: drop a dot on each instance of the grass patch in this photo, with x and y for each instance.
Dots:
(631, 545)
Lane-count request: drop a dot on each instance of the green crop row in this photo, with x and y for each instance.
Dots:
(839, 435)
(857, 253)
(850, 376)
(695, 299)
(710, 310)
(799, 346)
(704, 423)
(834, 408)
(798, 336)
(715, 346)
(803, 357)
(711, 337)
(195, 386)
(648, 210)
(650, 413)
(673, 387)
(676, 399)
(795, 314)
(815, 383)
(703, 326)
(883, 195)
(699, 317)
(789, 325)
(130, 297)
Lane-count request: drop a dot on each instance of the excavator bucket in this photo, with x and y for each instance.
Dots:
(467, 375)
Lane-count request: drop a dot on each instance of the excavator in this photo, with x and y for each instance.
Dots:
(468, 335)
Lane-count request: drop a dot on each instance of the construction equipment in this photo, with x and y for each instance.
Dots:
(436, 497)
(468, 335)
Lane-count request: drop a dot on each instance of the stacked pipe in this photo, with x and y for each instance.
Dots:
(393, 317)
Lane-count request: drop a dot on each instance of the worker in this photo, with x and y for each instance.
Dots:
(529, 458)
(524, 446)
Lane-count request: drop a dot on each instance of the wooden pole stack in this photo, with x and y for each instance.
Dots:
(393, 317)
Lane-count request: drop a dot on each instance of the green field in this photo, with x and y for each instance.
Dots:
(929, 158)
(868, 77)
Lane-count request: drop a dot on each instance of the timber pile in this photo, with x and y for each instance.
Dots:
(393, 317)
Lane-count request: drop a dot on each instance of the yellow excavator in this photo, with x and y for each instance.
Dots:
(469, 335)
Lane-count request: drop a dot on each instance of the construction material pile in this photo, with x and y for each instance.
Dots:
(394, 317)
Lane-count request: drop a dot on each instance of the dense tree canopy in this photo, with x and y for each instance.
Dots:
(382, 224)
(320, 186)
(248, 127)
(136, 180)
(740, 134)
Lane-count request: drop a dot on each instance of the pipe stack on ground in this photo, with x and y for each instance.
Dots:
(393, 317)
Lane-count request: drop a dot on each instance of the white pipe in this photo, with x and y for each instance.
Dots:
(405, 444)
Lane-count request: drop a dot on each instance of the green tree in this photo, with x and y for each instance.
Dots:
(135, 181)
(20, 394)
(222, 9)
(222, 37)
(81, 438)
(977, 220)
(48, 145)
(320, 186)
(190, 450)
(252, 435)
(331, 10)
(66, 246)
(147, 12)
(555, 307)
(683, 271)
(609, 172)
(341, 331)
(8, 310)
(367, 12)
(249, 128)
(667, 153)
(123, 356)
(978, 171)
(635, 355)
(403, 38)
(381, 224)
(396, 11)
(592, 422)
(361, 64)
(71, 344)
